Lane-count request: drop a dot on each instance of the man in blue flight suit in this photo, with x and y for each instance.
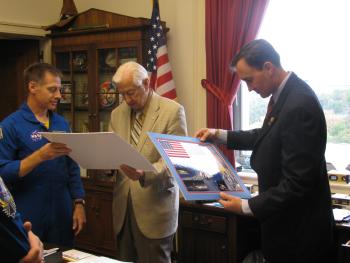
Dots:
(17, 241)
(44, 181)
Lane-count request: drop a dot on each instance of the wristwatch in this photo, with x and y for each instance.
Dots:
(79, 201)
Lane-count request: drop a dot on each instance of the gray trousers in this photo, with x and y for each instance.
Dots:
(133, 246)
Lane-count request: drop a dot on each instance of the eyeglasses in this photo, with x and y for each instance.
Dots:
(129, 92)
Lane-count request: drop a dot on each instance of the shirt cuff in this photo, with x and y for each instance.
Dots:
(221, 136)
(245, 207)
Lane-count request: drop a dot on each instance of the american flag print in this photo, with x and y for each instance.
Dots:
(158, 64)
(174, 149)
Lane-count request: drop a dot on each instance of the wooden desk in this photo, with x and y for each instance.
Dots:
(342, 235)
(56, 257)
(211, 234)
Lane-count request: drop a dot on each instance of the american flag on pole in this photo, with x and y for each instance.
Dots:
(174, 149)
(158, 64)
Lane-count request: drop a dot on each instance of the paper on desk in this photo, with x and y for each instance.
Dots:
(100, 150)
(95, 259)
(75, 255)
(340, 214)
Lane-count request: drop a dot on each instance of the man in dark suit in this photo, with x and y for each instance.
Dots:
(294, 203)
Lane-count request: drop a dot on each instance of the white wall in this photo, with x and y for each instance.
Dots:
(186, 45)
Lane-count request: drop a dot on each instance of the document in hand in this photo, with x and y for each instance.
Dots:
(200, 169)
(100, 150)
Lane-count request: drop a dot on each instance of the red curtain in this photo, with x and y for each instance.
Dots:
(229, 24)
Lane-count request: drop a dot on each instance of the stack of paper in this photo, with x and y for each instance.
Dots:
(94, 259)
(82, 257)
(75, 255)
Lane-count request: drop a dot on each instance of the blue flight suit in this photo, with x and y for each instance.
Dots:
(43, 196)
(14, 243)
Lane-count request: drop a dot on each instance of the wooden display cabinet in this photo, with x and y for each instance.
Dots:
(97, 236)
(88, 48)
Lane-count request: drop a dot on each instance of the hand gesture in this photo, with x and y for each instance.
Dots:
(206, 134)
(131, 172)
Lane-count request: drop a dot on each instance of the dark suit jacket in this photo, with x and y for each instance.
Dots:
(294, 204)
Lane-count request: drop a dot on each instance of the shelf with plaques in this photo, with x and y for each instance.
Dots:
(81, 108)
(64, 106)
(77, 71)
(107, 109)
(80, 71)
(67, 107)
(65, 70)
(108, 70)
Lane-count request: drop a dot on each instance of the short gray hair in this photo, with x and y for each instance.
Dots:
(139, 73)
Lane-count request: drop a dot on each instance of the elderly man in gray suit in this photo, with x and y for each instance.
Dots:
(145, 204)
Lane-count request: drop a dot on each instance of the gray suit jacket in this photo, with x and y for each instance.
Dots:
(156, 203)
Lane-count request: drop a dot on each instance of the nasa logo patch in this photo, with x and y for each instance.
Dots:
(35, 136)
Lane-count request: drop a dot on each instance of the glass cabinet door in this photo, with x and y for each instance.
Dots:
(74, 104)
(65, 106)
(108, 61)
(74, 91)
(126, 54)
(81, 99)
(106, 90)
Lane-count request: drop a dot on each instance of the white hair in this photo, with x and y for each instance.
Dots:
(139, 73)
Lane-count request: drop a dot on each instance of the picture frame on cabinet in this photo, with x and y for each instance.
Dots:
(66, 92)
